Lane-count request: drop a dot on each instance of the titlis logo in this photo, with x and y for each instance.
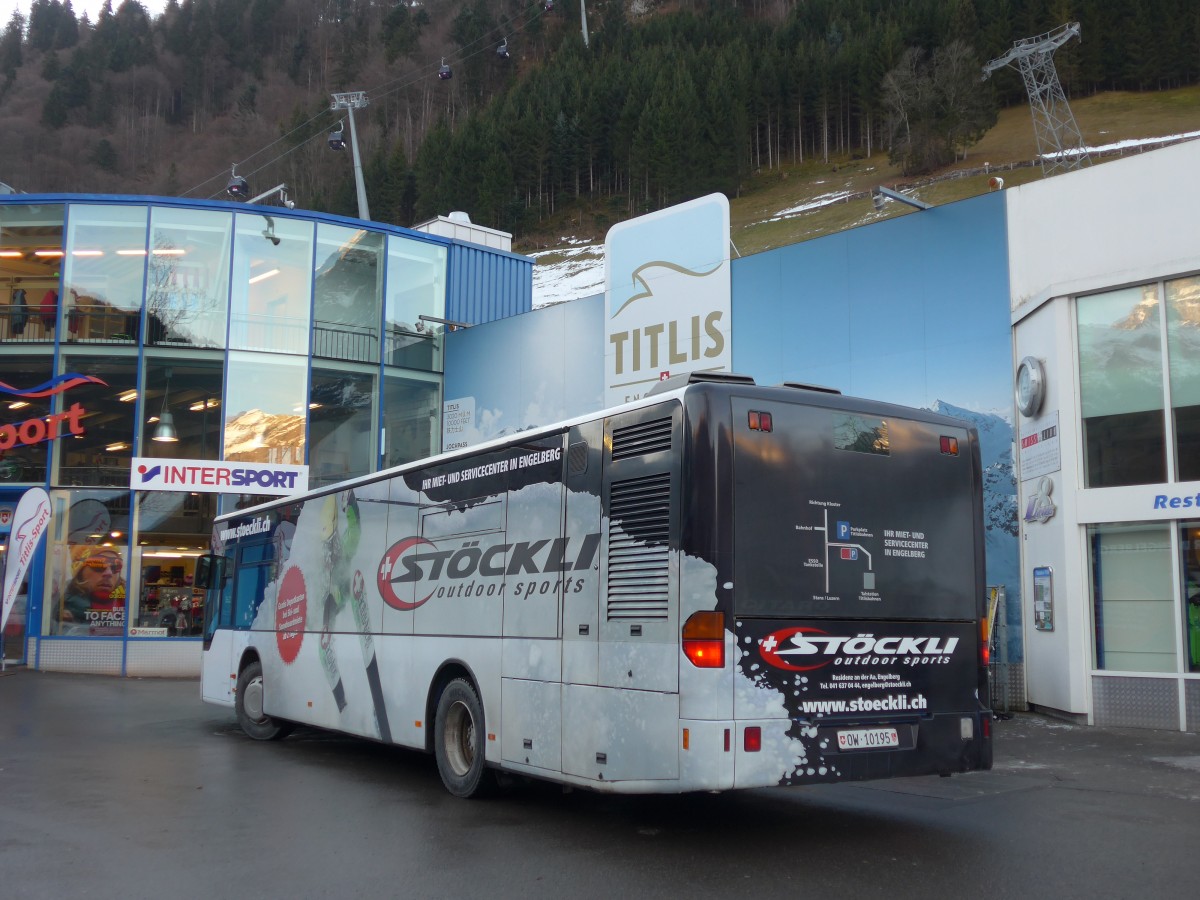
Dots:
(475, 569)
(805, 649)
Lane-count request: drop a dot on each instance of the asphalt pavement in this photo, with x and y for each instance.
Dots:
(123, 787)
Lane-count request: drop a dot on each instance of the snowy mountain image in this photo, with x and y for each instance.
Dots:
(999, 510)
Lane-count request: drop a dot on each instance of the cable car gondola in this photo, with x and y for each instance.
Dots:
(237, 188)
(444, 72)
(337, 139)
(502, 50)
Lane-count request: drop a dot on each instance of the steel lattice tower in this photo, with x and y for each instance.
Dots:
(1059, 141)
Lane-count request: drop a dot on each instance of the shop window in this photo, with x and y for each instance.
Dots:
(25, 441)
(1121, 387)
(271, 284)
(172, 531)
(86, 581)
(187, 277)
(31, 255)
(265, 408)
(411, 419)
(416, 286)
(98, 451)
(104, 274)
(347, 293)
(1183, 353)
(342, 424)
(1133, 597)
(181, 412)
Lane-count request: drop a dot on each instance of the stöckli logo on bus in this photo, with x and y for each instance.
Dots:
(801, 649)
(477, 570)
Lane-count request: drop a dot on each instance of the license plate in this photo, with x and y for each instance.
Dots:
(868, 738)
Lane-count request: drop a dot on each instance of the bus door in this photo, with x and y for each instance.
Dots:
(231, 607)
(215, 575)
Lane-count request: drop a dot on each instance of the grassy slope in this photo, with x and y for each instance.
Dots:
(1103, 119)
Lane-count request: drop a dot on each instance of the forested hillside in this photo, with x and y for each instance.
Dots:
(669, 100)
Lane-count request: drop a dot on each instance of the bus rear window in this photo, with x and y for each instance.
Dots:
(847, 516)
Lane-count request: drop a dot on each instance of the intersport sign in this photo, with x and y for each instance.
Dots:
(206, 476)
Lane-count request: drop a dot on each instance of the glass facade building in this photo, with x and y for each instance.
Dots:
(133, 329)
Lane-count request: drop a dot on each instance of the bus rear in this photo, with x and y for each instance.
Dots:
(853, 568)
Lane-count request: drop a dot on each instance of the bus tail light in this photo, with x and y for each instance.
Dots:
(985, 650)
(752, 739)
(704, 640)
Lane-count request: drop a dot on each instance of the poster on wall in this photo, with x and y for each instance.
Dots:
(1040, 450)
(667, 290)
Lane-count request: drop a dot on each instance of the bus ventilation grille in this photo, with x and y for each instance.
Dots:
(639, 562)
(645, 437)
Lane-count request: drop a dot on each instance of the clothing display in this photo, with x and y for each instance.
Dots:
(19, 313)
(50, 309)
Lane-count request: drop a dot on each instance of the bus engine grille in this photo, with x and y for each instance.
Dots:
(644, 437)
(639, 536)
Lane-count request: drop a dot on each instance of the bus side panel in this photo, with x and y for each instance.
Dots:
(316, 622)
(580, 661)
(403, 528)
(218, 670)
(531, 601)
(639, 568)
(408, 667)
(532, 733)
(617, 735)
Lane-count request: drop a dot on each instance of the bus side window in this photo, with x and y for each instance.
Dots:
(253, 573)
(251, 582)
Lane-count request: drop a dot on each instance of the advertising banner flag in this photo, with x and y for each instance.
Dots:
(29, 524)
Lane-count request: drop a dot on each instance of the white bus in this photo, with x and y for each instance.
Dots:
(718, 586)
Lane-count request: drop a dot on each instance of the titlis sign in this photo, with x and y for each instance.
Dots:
(667, 297)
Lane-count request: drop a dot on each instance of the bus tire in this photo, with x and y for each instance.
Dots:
(459, 734)
(249, 705)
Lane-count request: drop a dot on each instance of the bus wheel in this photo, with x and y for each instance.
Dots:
(458, 739)
(249, 703)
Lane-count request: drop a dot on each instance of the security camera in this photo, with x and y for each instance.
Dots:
(290, 204)
(270, 236)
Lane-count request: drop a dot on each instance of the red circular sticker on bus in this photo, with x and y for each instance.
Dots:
(291, 608)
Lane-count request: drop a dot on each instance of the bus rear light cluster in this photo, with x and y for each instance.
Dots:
(704, 640)
(985, 651)
(760, 421)
(949, 445)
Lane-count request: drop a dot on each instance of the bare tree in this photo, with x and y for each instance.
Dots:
(936, 108)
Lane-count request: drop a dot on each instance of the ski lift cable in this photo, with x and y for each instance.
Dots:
(487, 42)
(323, 113)
(409, 79)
